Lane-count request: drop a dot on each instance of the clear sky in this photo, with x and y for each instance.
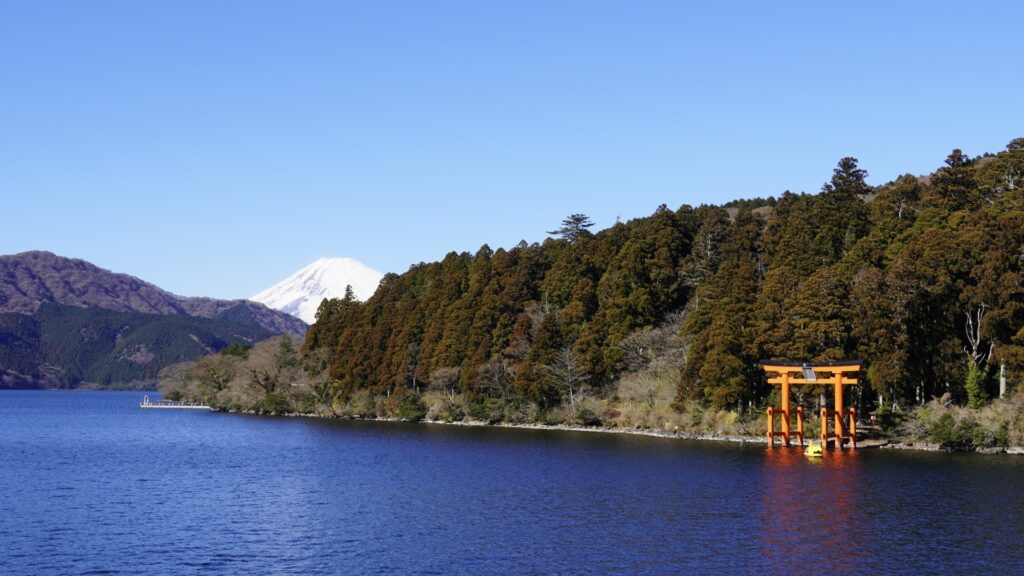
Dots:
(214, 147)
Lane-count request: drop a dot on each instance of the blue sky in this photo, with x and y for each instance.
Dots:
(215, 147)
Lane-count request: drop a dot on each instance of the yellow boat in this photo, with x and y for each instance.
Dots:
(813, 450)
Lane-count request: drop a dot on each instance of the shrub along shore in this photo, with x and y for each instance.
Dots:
(869, 443)
(237, 381)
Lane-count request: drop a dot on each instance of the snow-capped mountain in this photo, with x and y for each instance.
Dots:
(301, 293)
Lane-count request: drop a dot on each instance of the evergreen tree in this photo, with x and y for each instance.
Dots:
(574, 228)
(952, 187)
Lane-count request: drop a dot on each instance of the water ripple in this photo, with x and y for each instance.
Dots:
(92, 485)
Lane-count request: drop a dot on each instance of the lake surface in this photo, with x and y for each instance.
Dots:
(91, 484)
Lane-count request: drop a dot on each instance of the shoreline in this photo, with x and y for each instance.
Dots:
(882, 444)
(872, 444)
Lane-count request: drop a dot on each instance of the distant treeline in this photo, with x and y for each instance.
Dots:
(921, 277)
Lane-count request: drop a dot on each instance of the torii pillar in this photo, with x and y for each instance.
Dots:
(809, 375)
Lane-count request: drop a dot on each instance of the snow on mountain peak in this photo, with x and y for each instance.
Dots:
(301, 293)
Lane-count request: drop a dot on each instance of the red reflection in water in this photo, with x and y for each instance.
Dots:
(809, 511)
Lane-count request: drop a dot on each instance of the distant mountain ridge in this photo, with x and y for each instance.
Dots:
(62, 346)
(29, 279)
(301, 293)
(66, 323)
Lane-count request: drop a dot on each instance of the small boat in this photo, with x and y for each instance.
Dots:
(813, 450)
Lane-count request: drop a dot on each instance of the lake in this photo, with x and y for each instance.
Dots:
(94, 485)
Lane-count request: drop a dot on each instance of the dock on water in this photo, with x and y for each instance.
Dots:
(169, 405)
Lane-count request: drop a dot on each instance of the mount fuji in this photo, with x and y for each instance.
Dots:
(301, 293)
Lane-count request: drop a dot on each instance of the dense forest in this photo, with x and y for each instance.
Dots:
(920, 277)
(70, 346)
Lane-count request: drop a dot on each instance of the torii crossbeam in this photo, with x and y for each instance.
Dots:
(818, 374)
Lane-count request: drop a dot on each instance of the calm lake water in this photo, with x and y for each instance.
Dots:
(91, 484)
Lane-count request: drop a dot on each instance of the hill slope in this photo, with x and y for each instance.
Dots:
(29, 279)
(68, 346)
(66, 323)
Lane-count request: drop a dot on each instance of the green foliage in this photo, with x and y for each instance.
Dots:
(238, 349)
(574, 228)
(274, 403)
(998, 424)
(975, 386)
(888, 419)
(410, 407)
(751, 203)
(20, 345)
(949, 432)
(109, 348)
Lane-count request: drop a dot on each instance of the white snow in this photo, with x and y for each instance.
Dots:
(301, 293)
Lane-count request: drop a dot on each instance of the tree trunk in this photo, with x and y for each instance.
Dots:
(1002, 378)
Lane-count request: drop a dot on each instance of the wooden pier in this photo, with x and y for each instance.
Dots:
(169, 405)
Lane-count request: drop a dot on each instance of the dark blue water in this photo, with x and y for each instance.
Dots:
(93, 485)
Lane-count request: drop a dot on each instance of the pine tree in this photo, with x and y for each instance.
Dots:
(574, 228)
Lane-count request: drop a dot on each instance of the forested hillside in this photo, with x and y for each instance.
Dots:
(70, 346)
(920, 277)
(66, 323)
(30, 279)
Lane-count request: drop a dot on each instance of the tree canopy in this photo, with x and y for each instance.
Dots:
(574, 228)
(920, 277)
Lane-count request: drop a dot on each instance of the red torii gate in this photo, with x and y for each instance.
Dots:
(809, 375)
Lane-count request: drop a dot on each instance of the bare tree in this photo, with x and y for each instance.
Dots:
(264, 381)
(497, 376)
(638, 350)
(446, 382)
(1009, 181)
(1002, 376)
(706, 254)
(972, 327)
(566, 375)
(283, 372)
(212, 373)
(660, 349)
(217, 377)
(646, 389)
